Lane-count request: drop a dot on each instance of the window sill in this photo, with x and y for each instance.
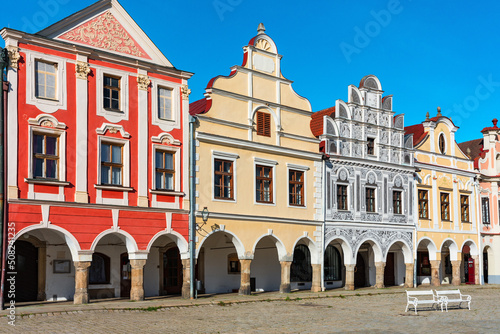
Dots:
(166, 192)
(117, 111)
(424, 218)
(110, 187)
(47, 182)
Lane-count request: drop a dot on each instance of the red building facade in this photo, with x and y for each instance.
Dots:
(97, 140)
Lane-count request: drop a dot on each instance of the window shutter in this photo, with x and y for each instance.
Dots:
(263, 124)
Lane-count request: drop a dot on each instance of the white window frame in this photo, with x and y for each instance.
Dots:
(177, 167)
(174, 123)
(374, 187)
(442, 134)
(375, 147)
(229, 157)
(126, 161)
(402, 191)
(46, 105)
(266, 163)
(298, 168)
(110, 115)
(61, 151)
(348, 185)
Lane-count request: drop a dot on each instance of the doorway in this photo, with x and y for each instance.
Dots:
(172, 271)
(27, 272)
(389, 277)
(125, 276)
(359, 272)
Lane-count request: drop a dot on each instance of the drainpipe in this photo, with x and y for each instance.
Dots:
(323, 229)
(415, 222)
(478, 226)
(4, 62)
(192, 207)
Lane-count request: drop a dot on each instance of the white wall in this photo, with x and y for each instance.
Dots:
(217, 279)
(152, 274)
(266, 268)
(114, 252)
(59, 287)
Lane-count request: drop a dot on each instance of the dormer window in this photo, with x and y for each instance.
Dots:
(442, 144)
(263, 124)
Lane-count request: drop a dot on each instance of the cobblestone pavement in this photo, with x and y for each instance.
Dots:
(369, 310)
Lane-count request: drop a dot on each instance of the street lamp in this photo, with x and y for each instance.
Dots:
(204, 215)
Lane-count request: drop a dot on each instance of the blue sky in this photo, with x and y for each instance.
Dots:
(426, 53)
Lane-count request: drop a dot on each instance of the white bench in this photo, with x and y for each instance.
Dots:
(452, 296)
(420, 297)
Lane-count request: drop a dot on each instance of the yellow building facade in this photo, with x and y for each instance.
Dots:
(258, 178)
(447, 250)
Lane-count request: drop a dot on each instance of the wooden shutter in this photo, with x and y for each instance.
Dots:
(263, 124)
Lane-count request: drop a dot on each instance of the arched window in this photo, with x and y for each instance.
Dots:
(442, 144)
(332, 265)
(301, 270)
(99, 269)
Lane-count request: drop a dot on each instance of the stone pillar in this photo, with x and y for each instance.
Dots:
(81, 282)
(379, 277)
(476, 269)
(186, 279)
(456, 269)
(349, 276)
(137, 280)
(245, 277)
(285, 276)
(316, 278)
(435, 266)
(409, 275)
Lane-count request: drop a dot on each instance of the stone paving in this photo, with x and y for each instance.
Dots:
(366, 310)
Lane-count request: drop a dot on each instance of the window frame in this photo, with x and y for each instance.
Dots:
(218, 155)
(46, 105)
(423, 200)
(113, 115)
(268, 164)
(343, 197)
(164, 170)
(112, 88)
(485, 219)
(61, 147)
(166, 125)
(223, 174)
(158, 88)
(112, 164)
(260, 179)
(442, 142)
(294, 183)
(374, 189)
(265, 129)
(397, 203)
(233, 258)
(465, 205)
(37, 61)
(107, 269)
(368, 147)
(446, 205)
(125, 161)
(45, 156)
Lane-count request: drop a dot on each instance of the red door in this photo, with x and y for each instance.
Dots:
(472, 276)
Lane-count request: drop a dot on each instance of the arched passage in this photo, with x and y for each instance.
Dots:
(337, 253)
(488, 264)
(397, 259)
(470, 263)
(449, 256)
(218, 262)
(265, 268)
(368, 255)
(426, 253)
(305, 272)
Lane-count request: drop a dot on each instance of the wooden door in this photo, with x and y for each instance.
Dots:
(172, 271)
(359, 272)
(389, 277)
(125, 276)
(26, 267)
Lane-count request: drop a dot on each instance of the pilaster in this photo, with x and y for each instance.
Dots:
(81, 282)
(285, 276)
(379, 279)
(349, 276)
(456, 268)
(316, 278)
(245, 277)
(435, 266)
(137, 280)
(409, 275)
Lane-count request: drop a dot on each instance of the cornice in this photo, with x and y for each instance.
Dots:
(232, 216)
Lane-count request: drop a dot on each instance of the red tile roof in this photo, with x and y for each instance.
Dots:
(316, 123)
(199, 107)
(475, 146)
(418, 133)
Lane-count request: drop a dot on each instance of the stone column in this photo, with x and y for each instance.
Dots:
(316, 278)
(81, 282)
(349, 276)
(476, 269)
(137, 280)
(285, 276)
(186, 279)
(435, 266)
(379, 277)
(409, 275)
(245, 277)
(456, 269)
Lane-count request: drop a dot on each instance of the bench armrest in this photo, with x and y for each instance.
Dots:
(468, 297)
(412, 299)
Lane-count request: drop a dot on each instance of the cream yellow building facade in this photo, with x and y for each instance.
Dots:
(447, 250)
(258, 176)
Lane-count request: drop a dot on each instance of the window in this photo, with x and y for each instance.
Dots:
(397, 203)
(445, 206)
(233, 264)
(164, 170)
(164, 103)
(296, 188)
(332, 266)
(464, 208)
(111, 92)
(370, 146)
(423, 204)
(442, 144)
(341, 197)
(370, 200)
(45, 156)
(263, 124)
(301, 269)
(111, 164)
(99, 269)
(264, 178)
(223, 179)
(45, 80)
(485, 209)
